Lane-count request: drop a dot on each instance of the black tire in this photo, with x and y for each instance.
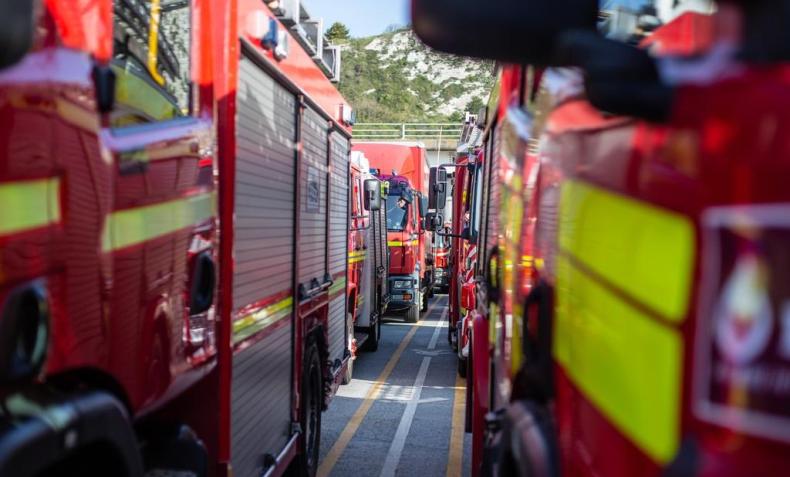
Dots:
(413, 314)
(374, 336)
(348, 375)
(470, 395)
(306, 463)
(462, 367)
(462, 362)
(423, 301)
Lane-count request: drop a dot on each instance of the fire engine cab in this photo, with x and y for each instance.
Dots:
(404, 167)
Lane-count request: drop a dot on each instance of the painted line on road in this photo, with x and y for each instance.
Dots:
(406, 420)
(456, 454)
(356, 420)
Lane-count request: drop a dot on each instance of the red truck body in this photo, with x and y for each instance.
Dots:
(405, 167)
(109, 243)
(630, 273)
(368, 259)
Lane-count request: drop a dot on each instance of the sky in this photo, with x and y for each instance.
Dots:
(362, 17)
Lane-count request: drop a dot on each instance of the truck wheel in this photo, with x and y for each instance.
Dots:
(462, 367)
(413, 314)
(423, 301)
(462, 362)
(310, 414)
(349, 373)
(374, 336)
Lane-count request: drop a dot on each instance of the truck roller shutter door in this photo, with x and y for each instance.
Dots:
(262, 295)
(312, 203)
(338, 243)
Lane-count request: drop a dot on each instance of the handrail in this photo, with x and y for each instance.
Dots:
(406, 131)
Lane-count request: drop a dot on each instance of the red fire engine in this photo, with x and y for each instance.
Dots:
(404, 167)
(441, 259)
(107, 232)
(119, 119)
(368, 259)
(632, 295)
(463, 250)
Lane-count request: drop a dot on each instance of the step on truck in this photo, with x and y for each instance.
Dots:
(404, 167)
(368, 259)
(634, 234)
(155, 154)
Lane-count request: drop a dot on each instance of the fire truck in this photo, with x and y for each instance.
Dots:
(175, 185)
(630, 297)
(404, 167)
(441, 259)
(463, 249)
(368, 258)
(107, 234)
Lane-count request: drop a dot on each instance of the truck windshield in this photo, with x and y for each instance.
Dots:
(397, 216)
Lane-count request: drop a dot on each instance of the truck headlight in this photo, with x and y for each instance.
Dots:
(401, 284)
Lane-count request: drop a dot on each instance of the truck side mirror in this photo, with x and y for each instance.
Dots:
(432, 221)
(372, 190)
(437, 195)
(445, 26)
(17, 28)
(423, 207)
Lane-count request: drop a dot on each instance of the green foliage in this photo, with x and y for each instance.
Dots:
(338, 31)
(403, 86)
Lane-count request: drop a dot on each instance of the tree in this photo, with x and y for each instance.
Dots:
(338, 31)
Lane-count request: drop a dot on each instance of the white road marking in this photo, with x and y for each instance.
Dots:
(399, 441)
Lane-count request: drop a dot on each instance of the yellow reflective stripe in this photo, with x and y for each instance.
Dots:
(357, 256)
(27, 205)
(645, 251)
(129, 227)
(398, 243)
(339, 285)
(257, 321)
(627, 364)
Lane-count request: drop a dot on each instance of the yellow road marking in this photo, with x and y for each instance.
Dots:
(373, 393)
(456, 455)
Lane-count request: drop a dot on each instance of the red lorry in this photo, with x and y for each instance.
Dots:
(630, 296)
(368, 258)
(404, 167)
(124, 122)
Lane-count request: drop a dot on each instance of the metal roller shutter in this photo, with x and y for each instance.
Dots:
(264, 227)
(338, 241)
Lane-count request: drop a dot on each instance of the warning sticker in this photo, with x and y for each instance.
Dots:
(313, 190)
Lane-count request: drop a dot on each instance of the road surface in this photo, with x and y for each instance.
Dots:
(403, 412)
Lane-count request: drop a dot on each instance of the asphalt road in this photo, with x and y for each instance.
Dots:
(403, 412)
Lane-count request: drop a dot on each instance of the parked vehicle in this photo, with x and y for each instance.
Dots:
(441, 259)
(404, 167)
(630, 290)
(284, 207)
(368, 258)
(123, 125)
(107, 235)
